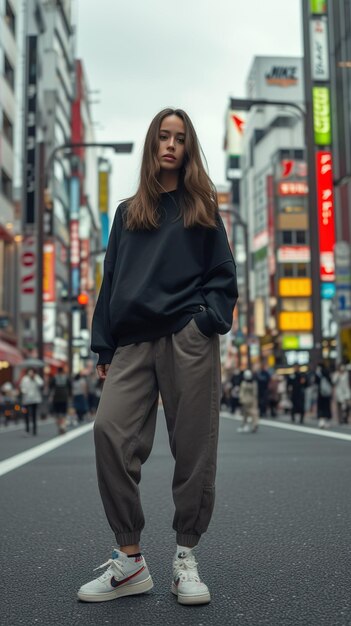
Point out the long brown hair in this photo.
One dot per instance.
(197, 197)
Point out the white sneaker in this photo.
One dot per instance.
(186, 580)
(125, 576)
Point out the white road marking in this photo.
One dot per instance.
(33, 453)
(300, 429)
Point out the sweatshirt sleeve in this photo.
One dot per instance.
(102, 341)
(219, 288)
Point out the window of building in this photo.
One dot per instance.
(288, 270)
(301, 270)
(6, 185)
(7, 128)
(10, 18)
(295, 304)
(9, 73)
(301, 237)
(287, 236)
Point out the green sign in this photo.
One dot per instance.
(321, 116)
(318, 6)
(290, 342)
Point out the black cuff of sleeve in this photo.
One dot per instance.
(204, 323)
(105, 357)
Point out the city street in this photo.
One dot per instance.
(277, 552)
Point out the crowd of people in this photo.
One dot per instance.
(319, 393)
(70, 400)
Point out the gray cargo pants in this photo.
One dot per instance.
(185, 368)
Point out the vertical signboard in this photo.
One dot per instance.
(75, 255)
(104, 173)
(319, 49)
(325, 215)
(318, 6)
(30, 133)
(321, 116)
(49, 291)
(28, 273)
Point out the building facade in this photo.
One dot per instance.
(9, 232)
(273, 202)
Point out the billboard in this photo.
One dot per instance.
(319, 49)
(292, 188)
(276, 78)
(321, 116)
(28, 274)
(235, 132)
(326, 225)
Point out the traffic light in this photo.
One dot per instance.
(83, 299)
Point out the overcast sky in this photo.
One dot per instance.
(145, 55)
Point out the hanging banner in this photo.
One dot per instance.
(321, 116)
(326, 223)
(319, 49)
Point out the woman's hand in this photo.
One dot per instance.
(102, 370)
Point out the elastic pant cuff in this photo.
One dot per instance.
(189, 541)
(128, 539)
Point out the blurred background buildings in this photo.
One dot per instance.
(286, 205)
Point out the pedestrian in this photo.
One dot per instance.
(273, 395)
(61, 389)
(169, 288)
(235, 389)
(31, 390)
(324, 398)
(297, 384)
(248, 395)
(262, 378)
(342, 393)
(80, 396)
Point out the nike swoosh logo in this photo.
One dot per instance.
(117, 583)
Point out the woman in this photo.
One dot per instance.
(342, 393)
(31, 390)
(248, 396)
(169, 288)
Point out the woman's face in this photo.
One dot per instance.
(171, 148)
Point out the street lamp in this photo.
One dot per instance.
(118, 148)
(245, 104)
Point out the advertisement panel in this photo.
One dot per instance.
(49, 291)
(326, 224)
(294, 254)
(321, 116)
(319, 49)
(296, 321)
(276, 78)
(295, 287)
(318, 6)
(103, 191)
(292, 188)
(30, 132)
(234, 132)
(49, 322)
(28, 272)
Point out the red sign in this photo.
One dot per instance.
(28, 265)
(74, 241)
(292, 188)
(84, 264)
(290, 167)
(326, 224)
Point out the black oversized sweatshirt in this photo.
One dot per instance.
(155, 281)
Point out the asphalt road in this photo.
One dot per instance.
(277, 552)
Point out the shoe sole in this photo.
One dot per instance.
(204, 598)
(129, 590)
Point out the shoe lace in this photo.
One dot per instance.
(186, 568)
(115, 568)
